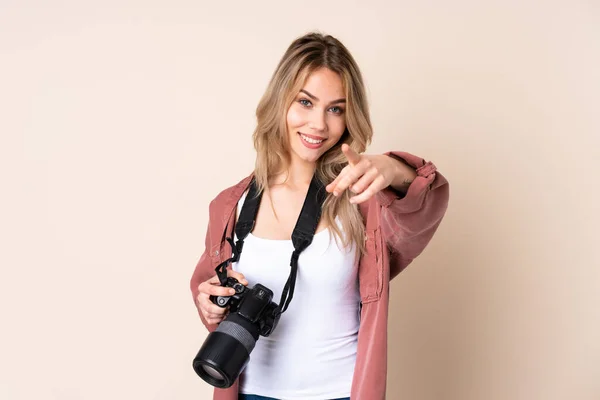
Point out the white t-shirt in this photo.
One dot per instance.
(311, 353)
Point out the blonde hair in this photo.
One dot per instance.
(305, 55)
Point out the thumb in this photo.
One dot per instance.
(352, 156)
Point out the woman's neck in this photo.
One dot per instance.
(299, 174)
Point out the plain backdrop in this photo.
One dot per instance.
(121, 120)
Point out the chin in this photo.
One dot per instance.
(313, 157)
(310, 158)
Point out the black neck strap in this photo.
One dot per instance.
(302, 236)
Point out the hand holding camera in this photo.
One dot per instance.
(212, 313)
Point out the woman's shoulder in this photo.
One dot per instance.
(230, 195)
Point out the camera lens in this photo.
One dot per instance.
(212, 372)
(226, 351)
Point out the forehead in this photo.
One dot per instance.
(325, 84)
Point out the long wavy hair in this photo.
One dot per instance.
(271, 141)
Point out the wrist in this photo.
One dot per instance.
(404, 174)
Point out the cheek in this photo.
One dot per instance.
(338, 126)
(294, 117)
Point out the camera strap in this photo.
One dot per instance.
(302, 236)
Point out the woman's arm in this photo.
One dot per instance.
(411, 212)
(404, 176)
(202, 272)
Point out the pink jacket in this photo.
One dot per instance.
(397, 231)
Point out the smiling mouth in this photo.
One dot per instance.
(311, 139)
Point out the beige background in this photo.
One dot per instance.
(119, 120)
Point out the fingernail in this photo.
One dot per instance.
(231, 291)
(245, 282)
(335, 193)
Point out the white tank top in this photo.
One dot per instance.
(311, 353)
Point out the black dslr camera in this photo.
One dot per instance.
(254, 304)
(226, 351)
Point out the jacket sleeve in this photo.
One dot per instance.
(408, 221)
(203, 272)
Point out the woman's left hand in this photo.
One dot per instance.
(364, 175)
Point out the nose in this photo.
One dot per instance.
(317, 121)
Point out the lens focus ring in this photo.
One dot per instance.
(239, 333)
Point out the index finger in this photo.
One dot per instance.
(214, 290)
(237, 275)
(352, 156)
(234, 274)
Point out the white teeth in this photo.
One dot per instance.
(310, 140)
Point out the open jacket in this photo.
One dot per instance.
(398, 227)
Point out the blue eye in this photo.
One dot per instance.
(337, 110)
(305, 103)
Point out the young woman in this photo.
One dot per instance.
(381, 210)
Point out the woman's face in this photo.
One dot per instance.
(316, 119)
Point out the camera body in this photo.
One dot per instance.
(253, 304)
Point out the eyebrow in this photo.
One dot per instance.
(312, 96)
